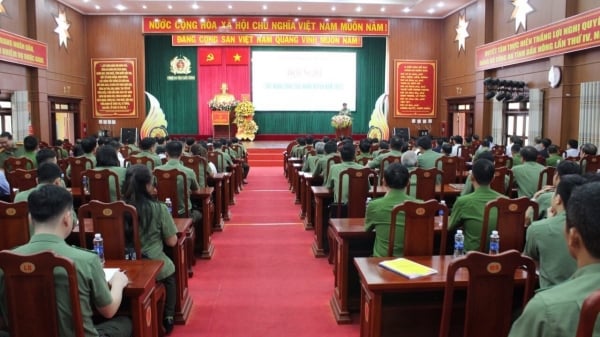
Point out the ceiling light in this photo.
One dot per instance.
(264, 19)
(233, 19)
(144, 6)
(86, 1)
(333, 8)
(120, 7)
(97, 7)
(406, 10)
(265, 7)
(440, 4)
(359, 9)
(229, 6)
(202, 20)
(382, 9)
(180, 20)
(296, 20)
(349, 20)
(195, 6)
(431, 10)
(326, 19)
(170, 7)
(299, 8)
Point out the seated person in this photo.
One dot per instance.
(298, 150)
(396, 151)
(364, 146)
(88, 145)
(226, 161)
(7, 147)
(553, 156)
(320, 169)
(311, 161)
(174, 151)
(50, 211)
(515, 150)
(545, 144)
(446, 149)
(63, 152)
(46, 155)
(409, 160)
(588, 149)
(243, 154)
(468, 187)
(555, 311)
(106, 158)
(457, 142)
(333, 177)
(379, 211)
(211, 169)
(545, 240)
(156, 229)
(572, 149)
(382, 147)
(468, 209)
(426, 160)
(527, 174)
(544, 196)
(485, 146)
(30, 148)
(148, 150)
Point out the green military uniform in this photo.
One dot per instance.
(294, 150)
(112, 185)
(363, 155)
(62, 153)
(89, 156)
(553, 160)
(311, 162)
(23, 195)
(378, 218)
(544, 202)
(191, 180)
(147, 154)
(468, 187)
(321, 166)
(376, 162)
(468, 211)
(225, 163)
(427, 161)
(516, 160)
(5, 154)
(555, 312)
(153, 234)
(526, 177)
(31, 156)
(298, 151)
(133, 148)
(93, 288)
(546, 243)
(333, 179)
(479, 151)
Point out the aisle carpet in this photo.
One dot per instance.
(263, 280)
(265, 157)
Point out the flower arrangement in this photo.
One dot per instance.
(246, 126)
(243, 109)
(341, 121)
(215, 105)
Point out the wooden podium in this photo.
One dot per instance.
(343, 132)
(221, 123)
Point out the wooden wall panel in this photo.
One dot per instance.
(411, 39)
(117, 37)
(14, 77)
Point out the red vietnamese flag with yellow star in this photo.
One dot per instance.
(237, 55)
(210, 56)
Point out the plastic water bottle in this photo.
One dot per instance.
(441, 211)
(85, 184)
(494, 243)
(169, 205)
(368, 201)
(99, 247)
(459, 243)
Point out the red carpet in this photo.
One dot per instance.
(263, 280)
(265, 157)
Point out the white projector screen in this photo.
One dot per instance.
(303, 81)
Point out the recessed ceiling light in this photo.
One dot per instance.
(202, 20)
(233, 19)
(440, 4)
(359, 9)
(326, 19)
(349, 20)
(120, 7)
(295, 19)
(180, 20)
(156, 20)
(265, 7)
(229, 6)
(195, 6)
(333, 8)
(97, 7)
(86, 1)
(431, 10)
(382, 9)
(406, 10)
(264, 19)
(170, 7)
(299, 8)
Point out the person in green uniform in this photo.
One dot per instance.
(409, 160)
(382, 147)
(148, 150)
(30, 148)
(88, 145)
(364, 146)
(106, 158)
(515, 149)
(50, 210)
(485, 146)
(333, 178)
(63, 152)
(320, 169)
(468, 209)
(555, 311)
(174, 151)
(227, 162)
(527, 174)
(156, 229)
(311, 161)
(426, 160)
(7, 147)
(553, 157)
(198, 150)
(545, 240)
(396, 144)
(544, 196)
(379, 211)
(241, 153)
(130, 142)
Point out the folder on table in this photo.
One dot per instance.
(407, 268)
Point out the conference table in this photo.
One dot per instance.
(139, 294)
(393, 305)
(350, 240)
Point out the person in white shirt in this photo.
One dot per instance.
(572, 149)
(457, 142)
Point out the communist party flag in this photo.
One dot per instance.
(239, 55)
(210, 56)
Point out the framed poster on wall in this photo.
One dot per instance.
(415, 88)
(114, 87)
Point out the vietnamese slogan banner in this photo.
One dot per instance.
(578, 32)
(113, 92)
(257, 25)
(266, 40)
(21, 50)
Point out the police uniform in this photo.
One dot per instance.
(225, 163)
(89, 156)
(147, 154)
(5, 154)
(553, 160)
(311, 162)
(321, 166)
(378, 216)
(333, 178)
(191, 180)
(93, 288)
(468, 211)
(112, 185)
(427, 161)
(555, 311)
(376, 162)
(527, 176)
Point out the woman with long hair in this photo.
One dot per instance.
(156, 229)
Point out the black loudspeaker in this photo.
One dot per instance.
(403, 133)
(129, 135)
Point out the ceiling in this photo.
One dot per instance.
(436, 9)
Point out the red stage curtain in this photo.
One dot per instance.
(210, 77)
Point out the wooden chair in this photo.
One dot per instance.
(575, 159)
(426, 183)
(194, 163)
(59, 152)
(541, 160)
(63, 164)
(14, 224)
(503, 161)
(333, 160)
(110, 219)
(140, 160)
(78, 165)
(286, 154)
(589, 313)
(363, 161)
(29, 288)
(217, 159)
(358, 190)
(166, 187)
(14, 163)
(385, 162)
(99, 182)
(452, 169)
(511, 222)
(546, 177)
(419, 219)
(498, 183)
(490, 292)
(499, 150)
(591, 163)
(22, 179)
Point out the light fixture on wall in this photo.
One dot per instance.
(506, 90)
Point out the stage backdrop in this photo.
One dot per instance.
(185, 100)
